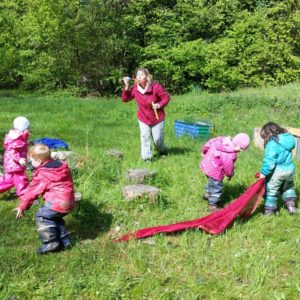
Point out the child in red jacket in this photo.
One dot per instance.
(53, 180)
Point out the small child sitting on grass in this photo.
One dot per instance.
(219, 155)
(53, 180)
(278, 168)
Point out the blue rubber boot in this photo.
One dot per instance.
(49, 248)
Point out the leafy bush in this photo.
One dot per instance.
(216, 45)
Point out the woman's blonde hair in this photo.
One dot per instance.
(146, 72)
(40, 151)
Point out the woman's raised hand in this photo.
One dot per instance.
(126, 80)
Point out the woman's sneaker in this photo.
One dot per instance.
(291, 206)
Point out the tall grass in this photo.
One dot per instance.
(257, 258)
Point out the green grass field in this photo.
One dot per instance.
(254, 259)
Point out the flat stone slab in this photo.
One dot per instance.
(136, 191)
(139, 175)
(115, 153)
(72, 158)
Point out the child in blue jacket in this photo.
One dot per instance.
(278, 168)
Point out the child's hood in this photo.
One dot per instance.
(54, 170)
(14, 134)
(15, 139)
(287, 141)
(225, 144)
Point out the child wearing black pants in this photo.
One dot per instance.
(53, 180)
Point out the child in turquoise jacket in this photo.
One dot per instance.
(278, 168)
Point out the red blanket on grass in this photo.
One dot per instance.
(214, 223)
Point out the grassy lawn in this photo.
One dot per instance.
(255, 259)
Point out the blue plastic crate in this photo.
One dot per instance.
(195, 129)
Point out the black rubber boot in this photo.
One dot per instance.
(50, 247)
(49, 236)
(66, 242)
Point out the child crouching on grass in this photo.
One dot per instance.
(219, 155)
(53, 180)
(278, 168)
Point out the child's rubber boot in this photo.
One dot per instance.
(66, 243)
(49, 247)
(213, 207)
(291, 206)
(269, 211)
(206, 196)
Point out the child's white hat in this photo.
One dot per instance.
(21, 123)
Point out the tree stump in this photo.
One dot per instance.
(139, 175)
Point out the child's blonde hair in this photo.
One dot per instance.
(40, 151)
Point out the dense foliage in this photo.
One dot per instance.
(205, 44)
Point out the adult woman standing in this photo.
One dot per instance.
(151, 99)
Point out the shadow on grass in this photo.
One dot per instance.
(171, 151)
(178, 150)
(9, 196)
(162, 202)
(231, 192)
(89, 221)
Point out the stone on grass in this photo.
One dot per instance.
(139, 175)
(72, 158)
(136, 191)
(149, 241)
(61, 155)
(115, 153)
(78, 196)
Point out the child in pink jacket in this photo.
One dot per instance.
(15, 155)
(219, 155)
